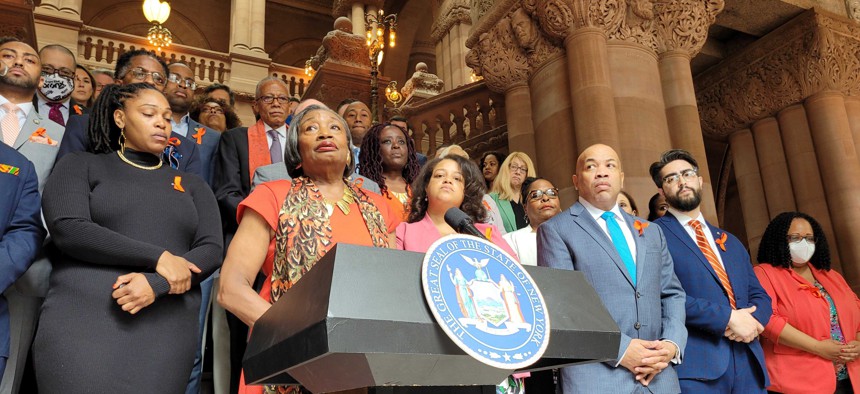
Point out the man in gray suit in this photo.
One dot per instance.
(37, 138)
(631, 269)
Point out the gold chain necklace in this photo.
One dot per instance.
(135, 165)
(343, 204)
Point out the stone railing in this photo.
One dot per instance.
(471, 116)
(100, 48)
(294, 77)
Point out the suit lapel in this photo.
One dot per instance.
(678, 231)
(30, 125)
(584, 220)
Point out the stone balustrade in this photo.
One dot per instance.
(471, 116)
(101, 48)
(294, 77)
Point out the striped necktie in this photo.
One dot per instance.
(9, 123)
(702, 242)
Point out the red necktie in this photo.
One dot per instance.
(55, 114)
(702, 242)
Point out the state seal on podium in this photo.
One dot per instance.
(485, 301)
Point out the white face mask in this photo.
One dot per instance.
(57, 87)
(801, 251)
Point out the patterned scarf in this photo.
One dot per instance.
(304, 232)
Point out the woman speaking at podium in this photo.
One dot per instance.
(286, 226)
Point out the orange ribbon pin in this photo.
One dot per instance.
(640, 226)
(722, 241)
(489, 233)
(173, 141)
(78, 109)
(41, 133)
(177, 184)
(201, 131)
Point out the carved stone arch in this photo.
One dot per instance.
(295, 52)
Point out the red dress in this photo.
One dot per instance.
(267, 200)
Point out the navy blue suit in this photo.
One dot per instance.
(709, 352)
(76, 140)
(21, 231)
(206, 148)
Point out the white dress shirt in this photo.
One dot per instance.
(282, 136)
(596, 212)
(23, 112)
(180, 128)
(685, 223)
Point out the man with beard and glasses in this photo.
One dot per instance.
(54, 97)
(135, 66)
(726, 306)
(37, 138)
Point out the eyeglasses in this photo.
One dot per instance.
(792, 238)
(177, 79)
(63, 72)
(139, 74)
(688, 176)
(271, 99)
(538, 194)
(213, 109)
(515, 168)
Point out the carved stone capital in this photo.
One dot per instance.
(527, 34)
(457, 12)
(343, 7)
(814, 52)
(422, 83)
(342, 48)
(682, 25)
(499, 59)
(853, 9)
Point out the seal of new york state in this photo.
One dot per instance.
(485, 301)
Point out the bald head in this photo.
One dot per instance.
(307, 103)
(599, 177)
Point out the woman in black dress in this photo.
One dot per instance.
(134, 238)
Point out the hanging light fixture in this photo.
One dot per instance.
(156, 13)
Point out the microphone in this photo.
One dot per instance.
(461, 222)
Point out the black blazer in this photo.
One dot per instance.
(231, 180)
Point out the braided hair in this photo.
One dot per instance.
(773, 248)
(102, 130)
(370, 159)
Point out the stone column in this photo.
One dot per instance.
(594, 114)
(804, 174)
(750, 188)
(249, 61)
(58, 22)
(681, 30)
(518, 111)
(852, 106)
(450, 32)
(357, 17)
(773, 167)
(555, 143)
(837, 159)
(640, 112)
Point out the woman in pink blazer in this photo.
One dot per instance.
(810, 343)
(445, 183)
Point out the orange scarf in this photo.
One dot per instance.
(258, 148)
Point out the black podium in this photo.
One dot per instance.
(359, 319)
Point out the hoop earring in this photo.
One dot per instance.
(122, 141)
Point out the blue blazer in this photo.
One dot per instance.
(708, 308)
(76, 140)
(651, 310)
(21, 231)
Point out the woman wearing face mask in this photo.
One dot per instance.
(816, 315)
